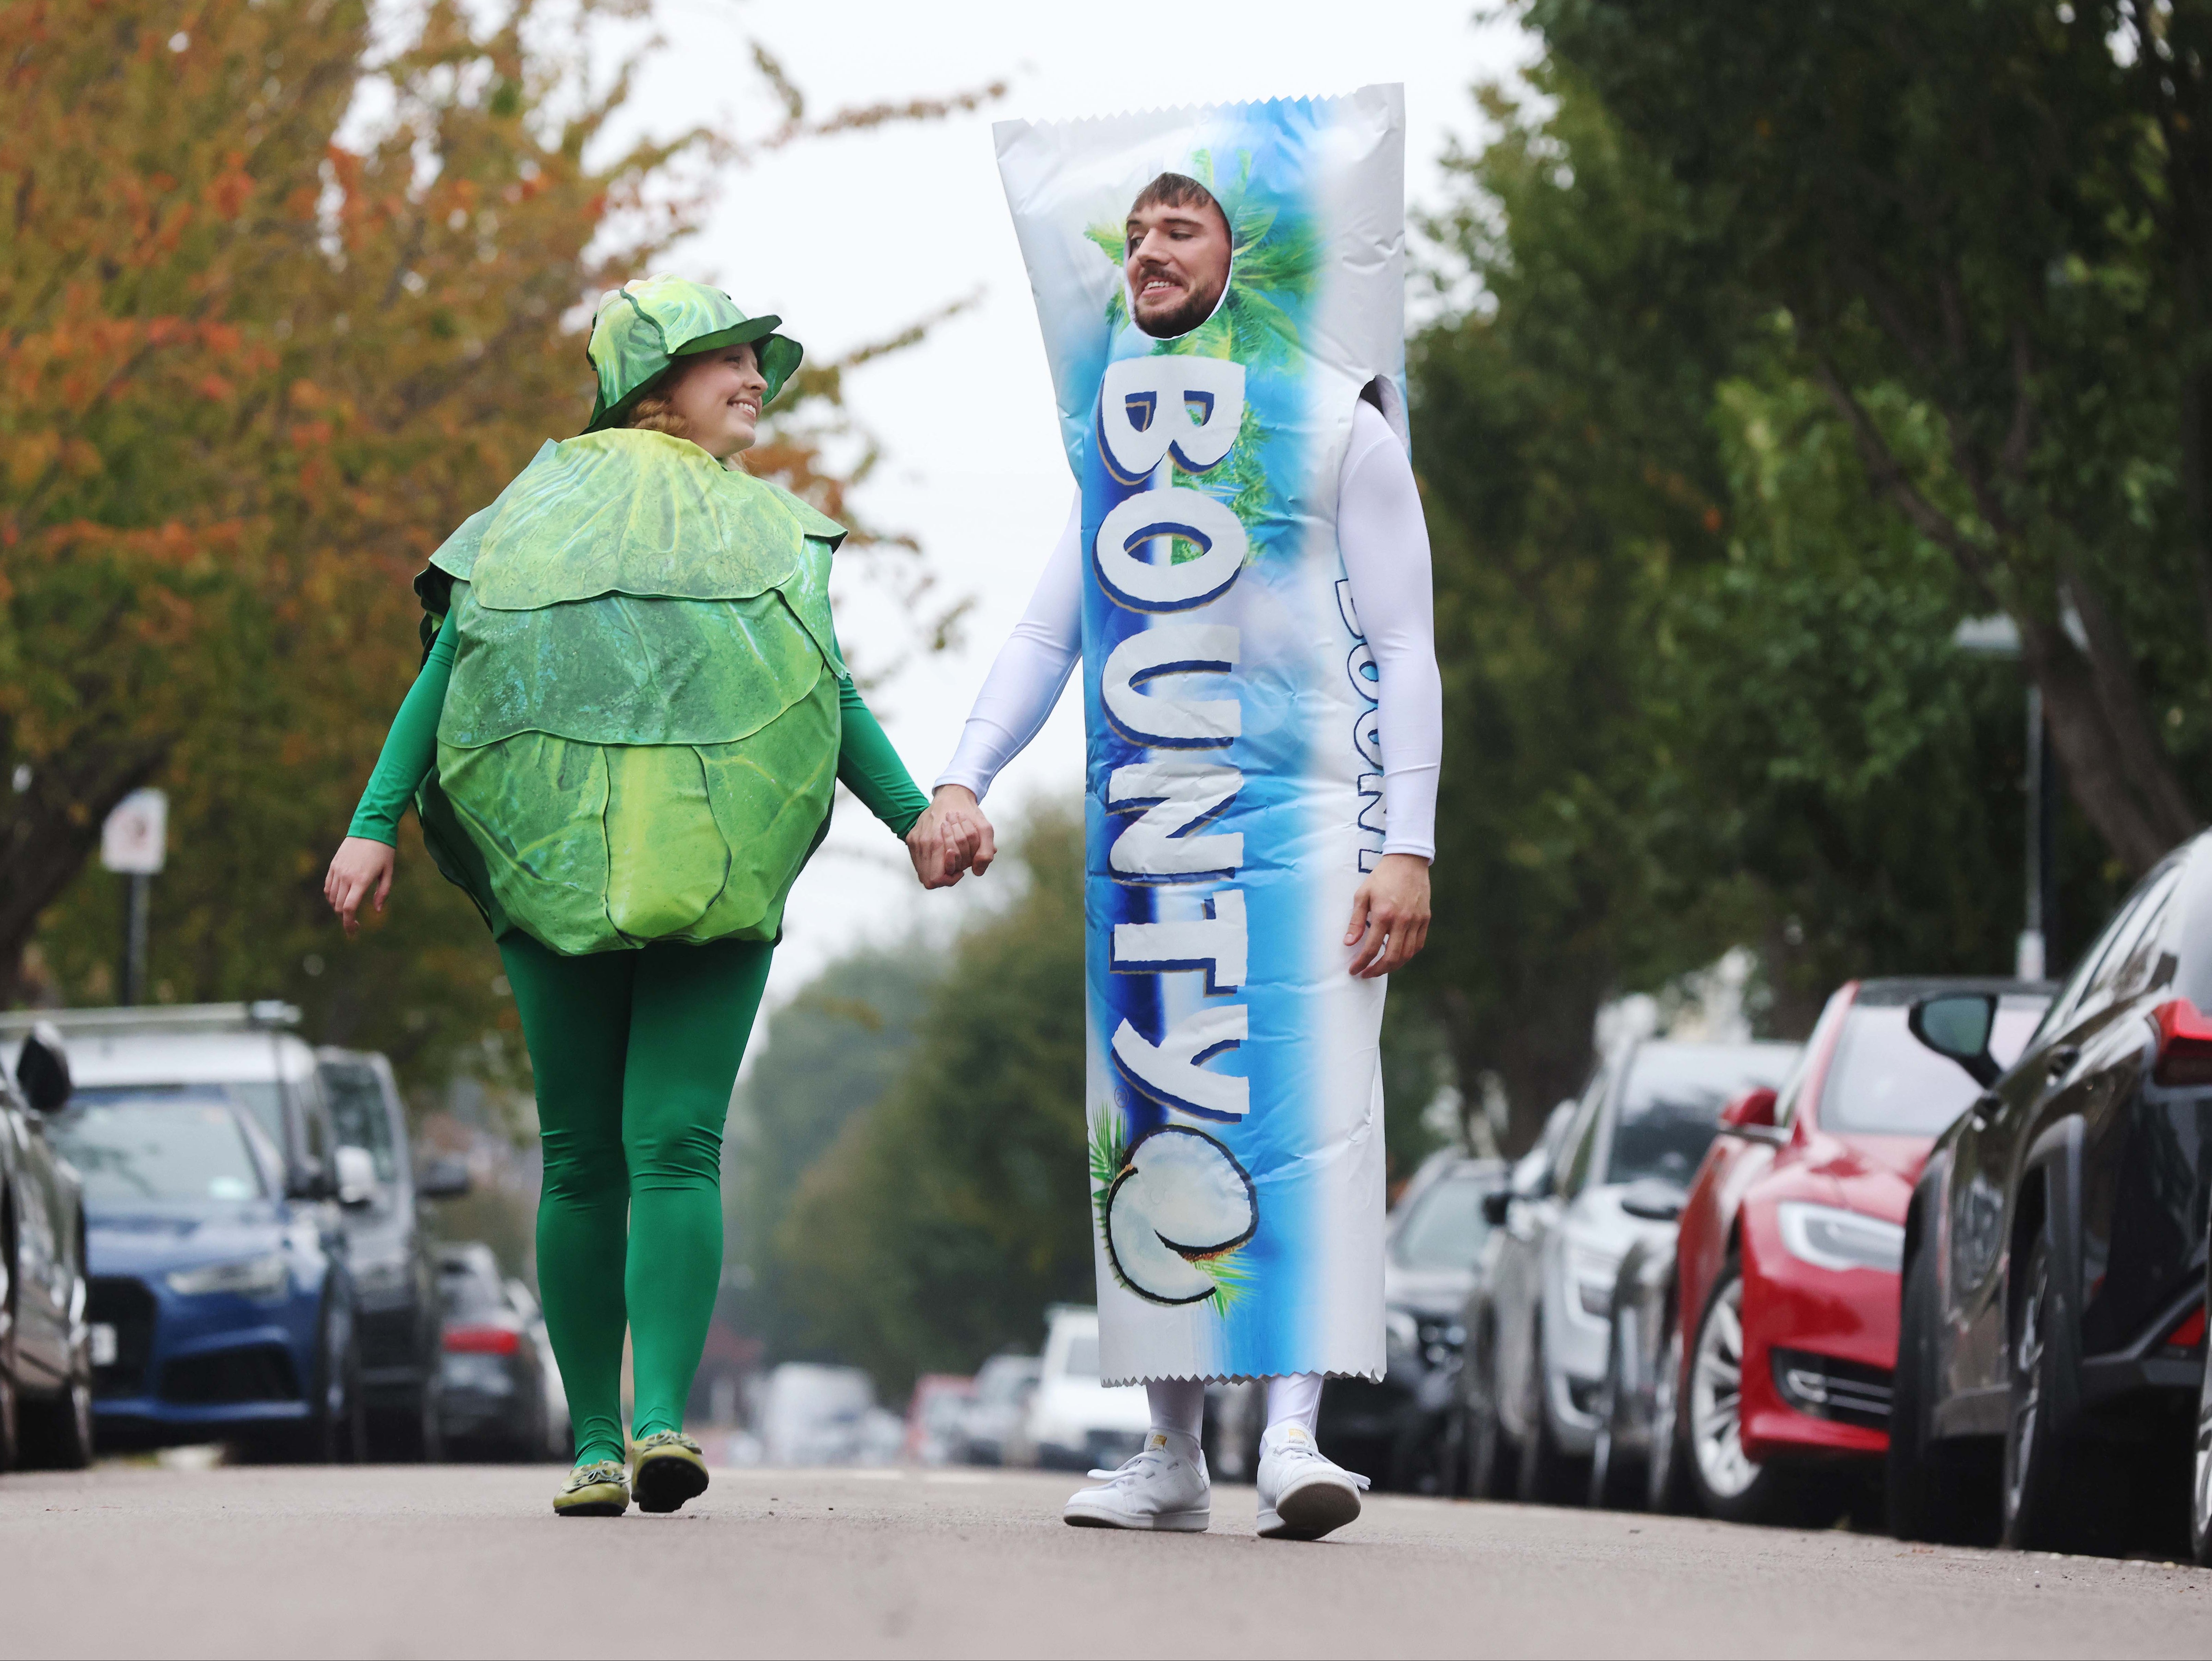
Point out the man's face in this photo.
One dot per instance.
(1177, 265)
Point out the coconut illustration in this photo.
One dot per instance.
(1182, 1198)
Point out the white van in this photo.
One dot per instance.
(1075, 1422)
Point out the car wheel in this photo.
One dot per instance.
(54, 1432)
(2054, 1495)
(335, 1430)
(1612, 1484)
(1485, 1457)
(1665, 1488)
(1934, 1487)
(2200, 1477)
(1730, 1483)
(11, 1448)
(1547, 1475)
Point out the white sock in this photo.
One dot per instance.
(1178, 1413)
(1293, 1399)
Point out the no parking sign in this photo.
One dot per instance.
(137, 834)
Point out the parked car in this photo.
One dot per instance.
(492, 1398)
(1076, 1422)
(1475, 1457)
(933, 1416)
(994, 1430)
(1393, 1428)
(1769, 1400)
(826, 1415)
(218, 1309)
(2054, 1262)
(1540, 1320)
(340, 1133)
(395, 1281)
(45, 1348)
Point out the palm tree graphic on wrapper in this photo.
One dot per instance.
(1175, 1210)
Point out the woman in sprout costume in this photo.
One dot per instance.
(623, 744)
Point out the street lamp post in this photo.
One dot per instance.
(1997, 637)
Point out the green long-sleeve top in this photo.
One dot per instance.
(866, 764)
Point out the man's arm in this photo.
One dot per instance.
(1385, 543)
(1017, 695)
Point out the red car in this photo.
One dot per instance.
(1787, 1263)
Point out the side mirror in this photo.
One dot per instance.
(311, 1180)
(1753, 1107)
(445, 1179)
(1495, 1205)
(1751, 1116)
(42, 1069)
(1957, 1025)
(356, 1175)
(1654, 1199)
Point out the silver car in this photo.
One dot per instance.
(1539, 1321)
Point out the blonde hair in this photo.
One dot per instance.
(655, 411)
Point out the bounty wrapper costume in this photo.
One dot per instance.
(1234, 1092)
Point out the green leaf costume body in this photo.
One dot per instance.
(624, 745)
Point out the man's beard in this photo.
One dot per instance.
(1195, 310)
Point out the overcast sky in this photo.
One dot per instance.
(851, 238)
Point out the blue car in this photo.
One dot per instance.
(220, 1310)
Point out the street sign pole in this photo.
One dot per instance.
(133, 841)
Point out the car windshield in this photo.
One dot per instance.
(132, 1145)
(1445, 1229)
(1884, 1082)
(1671, 1103)
(1083, 1356)
(358, 1116)
(999, 1384)
(470, 1294)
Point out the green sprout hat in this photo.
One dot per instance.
(645, 326)
(639, 741)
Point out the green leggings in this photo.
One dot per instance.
(636, 1054)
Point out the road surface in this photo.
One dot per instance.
(467, 1561)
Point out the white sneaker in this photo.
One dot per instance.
(1302, 1494)
(1157, 1489)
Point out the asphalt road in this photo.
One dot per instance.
(133, 1560)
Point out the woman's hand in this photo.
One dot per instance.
(951, 839)
(361, 864)
(1389, 916)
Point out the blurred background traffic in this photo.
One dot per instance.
(1801, 1112)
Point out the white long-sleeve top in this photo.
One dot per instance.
(1385, 545)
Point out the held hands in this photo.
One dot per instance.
(1389, 916)
(360, 865)
(951, 839)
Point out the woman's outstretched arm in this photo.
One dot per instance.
(363, 863)
(870, 768)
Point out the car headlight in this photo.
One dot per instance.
(1591, 1274)
(246, 1277)
(1828, 1237)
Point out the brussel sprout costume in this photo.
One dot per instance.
(622, 744)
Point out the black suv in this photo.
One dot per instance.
(2052, 1329)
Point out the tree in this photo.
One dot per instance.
(2002, 210)
(260, 350)
(939, 1225)
(1700, 684)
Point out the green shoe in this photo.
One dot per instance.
(666, 1469)
(598, 1489)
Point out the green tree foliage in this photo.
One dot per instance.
(2002, 212)
(1700, 684)
(280, 304)
(828, 1057)
(938, 1226)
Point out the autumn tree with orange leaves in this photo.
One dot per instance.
(280, 304)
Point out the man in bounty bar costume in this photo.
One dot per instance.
(1245, 577)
